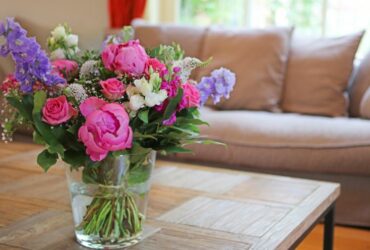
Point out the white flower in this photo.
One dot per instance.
(89, 68)
(57, 54)
(72, 40)
(136, 102)
(77, 91)
(132, 90)
(143, 86)
(153, 99)
(59, 32)
(187, 65)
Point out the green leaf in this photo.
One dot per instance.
(58, 148)
(139, 174)
(20, 106)
(188, 131)
(171, 107)
(46, 159)
(184, 120)
(118, 153)
(138, 135)
(39, 100)
(37, 138)
(73, 129)
(176, 149)
(74, 158)
(143, 115)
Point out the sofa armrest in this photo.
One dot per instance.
(365, 105)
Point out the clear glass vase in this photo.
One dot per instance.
(109, 200)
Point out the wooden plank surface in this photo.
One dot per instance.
(207, 208)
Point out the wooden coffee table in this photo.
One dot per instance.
(190, 207)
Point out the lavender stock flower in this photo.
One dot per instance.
(31, 62)
(218, 85)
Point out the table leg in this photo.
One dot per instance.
(329, 229)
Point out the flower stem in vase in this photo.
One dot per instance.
(112, 218)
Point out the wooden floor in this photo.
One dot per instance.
(346, 238)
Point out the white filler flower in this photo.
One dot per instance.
(57, 54)
(72, 40)
(59, 32)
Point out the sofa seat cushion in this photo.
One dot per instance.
(287, 141)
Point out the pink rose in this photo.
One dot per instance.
(112, 88)
(108, 55)
(156, 65)
(57, 110)
(65, 68)
(131, 58)
(106, 128)
(191, 96)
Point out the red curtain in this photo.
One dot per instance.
(122, 12)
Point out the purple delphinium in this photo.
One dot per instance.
(31, 63)
(218, 85)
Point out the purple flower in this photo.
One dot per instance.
(31, 63)
(218, 85)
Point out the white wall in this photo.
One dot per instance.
(87, 18)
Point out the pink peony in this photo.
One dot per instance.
(156, 65)
(129, 58)
(57, 110)
(106, 128)
(190, 98)
(108, 55)
(112, 88)
(65, 68)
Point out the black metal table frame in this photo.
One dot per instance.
(328, 236)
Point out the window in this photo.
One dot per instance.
(311, 18)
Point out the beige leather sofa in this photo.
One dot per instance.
(325, 148)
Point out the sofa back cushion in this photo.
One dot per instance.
(190, 38)
(359, 86)
(318, 74)
(257, 57)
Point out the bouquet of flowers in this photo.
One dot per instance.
(90, 108)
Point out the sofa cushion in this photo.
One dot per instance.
(318, 74)
(258, 58)
(359, 86)
(287, 142)
(190, 38)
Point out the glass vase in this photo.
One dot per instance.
(109, 200)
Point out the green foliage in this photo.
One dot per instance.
(88, 55)
(24, 105)
(171, 107)
(46, 159)
(127, 33)
(144, 115)
(167, 53)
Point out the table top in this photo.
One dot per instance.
(190, 206)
